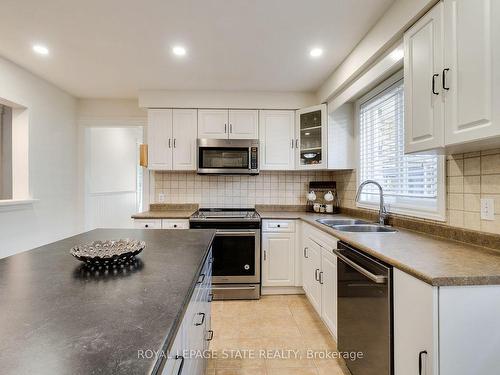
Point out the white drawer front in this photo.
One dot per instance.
(278, 226)
(175, 224)
(147, 224)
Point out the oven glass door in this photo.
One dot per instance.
(236, 256)
(223, 157)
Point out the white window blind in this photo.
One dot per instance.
(409, 181)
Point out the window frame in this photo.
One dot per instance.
(408, 209)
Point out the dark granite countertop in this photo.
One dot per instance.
(58, 319)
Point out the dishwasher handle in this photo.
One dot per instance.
(378, 279)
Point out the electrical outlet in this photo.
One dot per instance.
(487, 209)
(161, 198)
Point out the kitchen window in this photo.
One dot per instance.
(413, 184)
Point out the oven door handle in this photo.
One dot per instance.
(233, 288)
(379, 279)
(236, 233)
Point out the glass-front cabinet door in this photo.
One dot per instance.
(311, 137)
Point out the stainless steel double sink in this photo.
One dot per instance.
(355, 225)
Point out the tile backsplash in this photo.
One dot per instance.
(269, 187)
(470, 177)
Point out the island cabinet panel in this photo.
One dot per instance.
(194, 334)
(469, 334)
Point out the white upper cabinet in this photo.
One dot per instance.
(233, 123)
(452, 80)
(172, 139)
(472, 81)
(243, 124)
(311, 137)
(184, 132)
(160, 139)
(213, 123)
(423, 61)
(277, 140)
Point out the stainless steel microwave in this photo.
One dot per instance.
(228, 156)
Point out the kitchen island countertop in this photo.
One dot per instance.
(59, 318)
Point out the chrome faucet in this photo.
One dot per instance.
(382, 214)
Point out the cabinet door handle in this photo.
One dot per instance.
(230, 128)
(321, 278)
(179, 371)
(202, 319)
(225, 128)
(434, 84)
(169, 141)
(175, 139)
(420, 355)
(146, 226)
(305, 252)
(297, 143)
(316, 274)
(265, 254)
(201, 278)
(210, 297)
(444, 78)
(292, 142)
(210, 335)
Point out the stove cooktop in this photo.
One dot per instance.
(226, 213)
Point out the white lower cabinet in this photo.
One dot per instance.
(278, 259)
(147, 223)
(161, 223)
(415, 324)
(319, 274)
(194, 332)
(328, 280)
(175, 224)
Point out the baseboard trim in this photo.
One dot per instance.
(270, 290)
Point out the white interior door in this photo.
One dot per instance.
(112, 176)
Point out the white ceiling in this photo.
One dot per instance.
(113, 48)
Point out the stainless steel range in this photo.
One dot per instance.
(236, 250)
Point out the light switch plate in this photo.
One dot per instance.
(487, 209)
(161, 198)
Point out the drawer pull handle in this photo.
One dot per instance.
(179, 371)
(321, 278)
(202, 319)
(201, 278)
(305, 252)
(210, 297)
(434, 84)
(444, 79)
(420, 355)
(316, 274)
(210, 335)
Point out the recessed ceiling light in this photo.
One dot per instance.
(316, 52)
(179, 51)
(40, 49)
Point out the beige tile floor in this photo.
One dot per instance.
(277, 325)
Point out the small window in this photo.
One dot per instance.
(5, 152)
(413, 184)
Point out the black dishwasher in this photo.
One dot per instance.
(364, 311)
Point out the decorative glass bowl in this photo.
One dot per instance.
(108, 252)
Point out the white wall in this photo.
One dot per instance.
(225, 99)
(52, 163)
(385, 33)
